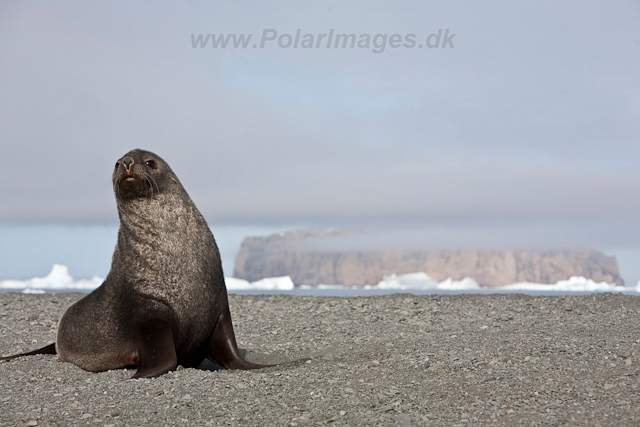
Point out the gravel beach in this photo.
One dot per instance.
(385, 360)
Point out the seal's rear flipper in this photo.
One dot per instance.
(223, 349)
(49, 349)
(156, 350)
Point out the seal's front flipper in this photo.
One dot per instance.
(223, 349)
(49, 349)
(156, 350)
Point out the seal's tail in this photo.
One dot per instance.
(49, 349)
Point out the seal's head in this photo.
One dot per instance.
(141, 173)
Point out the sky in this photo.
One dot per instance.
(524, 128)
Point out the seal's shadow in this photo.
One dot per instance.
(208, 365)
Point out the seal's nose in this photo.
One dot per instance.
(127, 162)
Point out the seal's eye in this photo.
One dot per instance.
(117, 164)
(151, 164)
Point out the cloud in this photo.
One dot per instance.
(533, 114)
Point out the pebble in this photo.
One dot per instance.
(402, 419)
(378, 365)
(623, 353)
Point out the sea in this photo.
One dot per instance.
(52, 258)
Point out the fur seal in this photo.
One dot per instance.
(164, 302)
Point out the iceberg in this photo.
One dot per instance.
(573, 284)
(268, 284)
(422, 281)
(58, 278)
